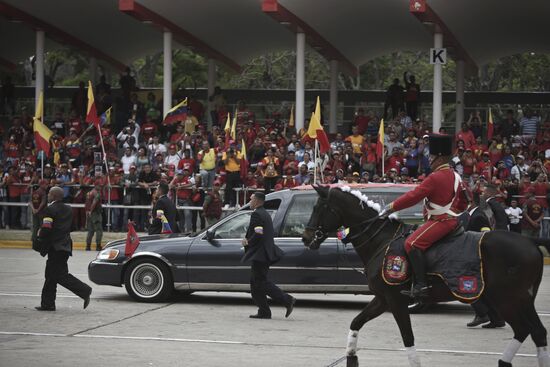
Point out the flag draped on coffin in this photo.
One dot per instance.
(132, 240)
(177, 113)
(244, 161)
(42, 133)
(166, 229)
(490, 125)
(316, 131)
(380, 141)
(91, 114)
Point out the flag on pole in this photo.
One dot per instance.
(316, 131)
(132, 240)
(244, 161)
(177, 113)
(91, 112)
(490, 125)
(42, 133)
(291, 118)
(380, 142)
(234, 127)
(227, 130)
(105, 118)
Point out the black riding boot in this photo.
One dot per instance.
(420, 288)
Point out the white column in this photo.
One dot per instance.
(211, 85)
(333, 102)
(39, 65)
(459, 94)
(438, 86)
(93, 70)
(167, 73)
(300, 79)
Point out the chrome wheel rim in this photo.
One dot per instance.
(146, 280)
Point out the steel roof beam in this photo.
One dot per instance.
(14, 14)
(427, 16)
(285, 17)
(145, 15)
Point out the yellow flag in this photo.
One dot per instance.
(291, 118)
(227, 123)
(243, 149)
(234, 127)
(315, 122)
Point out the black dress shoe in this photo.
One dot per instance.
(42, 308)
(478, 320)
(290, 306)
(87, 300)
(494, 324)
(258, 316)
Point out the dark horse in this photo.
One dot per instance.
(512, 269)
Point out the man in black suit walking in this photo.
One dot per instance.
(54, 239)
(261, 251)
(168, 208)
(489, 215)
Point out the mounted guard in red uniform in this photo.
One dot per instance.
(445, 198)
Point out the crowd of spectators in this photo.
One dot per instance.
(197, 161)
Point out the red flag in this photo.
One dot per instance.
(91, 115)
(132, 240)
(244, 161)
(324, 145)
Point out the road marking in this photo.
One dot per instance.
(209, 341)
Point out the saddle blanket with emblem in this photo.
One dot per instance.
(456, 260)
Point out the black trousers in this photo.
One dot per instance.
(515, 227)
(232, 180)
(57, 272)
(261, 287)
(412, 110)
(482, 308)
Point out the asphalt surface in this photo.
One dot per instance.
(213, 329)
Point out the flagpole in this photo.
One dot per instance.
(316, 153)
(383, 159)
(104, 156)
(42, 165)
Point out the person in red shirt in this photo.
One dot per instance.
(178, 135)
(395, 161)
(466, 135)
(184, 190)
(12, 151)
(115, 197)
(478, 148)
(187, 162)
(288, 181)
(361, 121)
(468, 162)
(149, 129)
(445, 201)
(290, 163)
(75, 123)
(12, 181)
(485, 167)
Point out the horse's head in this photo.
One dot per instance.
(324, 219)
(334, 209)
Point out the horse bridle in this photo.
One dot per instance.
(320, 233)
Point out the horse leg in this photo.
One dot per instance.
(538, 334)
(374, 309)
(399, 308)
(520, 324)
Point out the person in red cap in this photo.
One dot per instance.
(446, 199)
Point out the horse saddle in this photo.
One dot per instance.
(456, 259)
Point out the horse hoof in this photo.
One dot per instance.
(352, 361)
(501, 363)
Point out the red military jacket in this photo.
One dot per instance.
(437, 188)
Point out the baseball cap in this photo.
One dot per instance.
(355, 174)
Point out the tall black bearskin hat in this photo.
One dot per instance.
(441, 145)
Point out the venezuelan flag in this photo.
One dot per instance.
(177, 113)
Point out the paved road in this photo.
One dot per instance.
(213, 329)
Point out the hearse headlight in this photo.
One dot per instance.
(108, 254)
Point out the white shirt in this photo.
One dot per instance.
(156, 148)
(127, 162)
(514, 214)
(519, 171)
(172, 159)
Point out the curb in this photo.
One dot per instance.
(28, 245)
